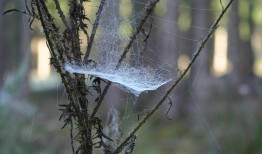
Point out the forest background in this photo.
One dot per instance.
(217, 107)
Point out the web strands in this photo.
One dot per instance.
(108, 47)
(130, 79)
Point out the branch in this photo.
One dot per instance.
(149, 8)
(101, 99)
(61, 14)
(17, 10)
(201, 46)
(52, 49)
(95, 26)
(73, 20)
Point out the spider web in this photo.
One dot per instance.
(133, 75)
(149, 64)
(145, 57)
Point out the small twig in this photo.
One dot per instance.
(170, 105)
(200, 48)
(82, 17)
(17, 10)
(71, 136)
(149, 8)
(148, 33)
(95, 26)
(100, 99)
(31, 14)
(27, 8)
(221, 4)
(31, 17)
(60, 12)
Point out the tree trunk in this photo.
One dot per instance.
(233, 46)
(200, 73)
(14, 47)
(25, 54)
(3, 39)
(240, 52)
(247, 54)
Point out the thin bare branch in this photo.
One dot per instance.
(52, 49)
(101, 99)
(95, 26)
(200, 48)
(17, 10)
(71, 136)
(61, 14)
(149, 8)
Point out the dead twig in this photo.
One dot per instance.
(95, 26)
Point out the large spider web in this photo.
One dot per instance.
(147, 66)
(132, 75)
(159, 60)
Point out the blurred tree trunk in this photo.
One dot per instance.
(14, 47)
(200, 73)
(3, 43)
(164, 42)
(167, 43)
(234, 47)
(25, 53)
(248, 57)
(240, 52)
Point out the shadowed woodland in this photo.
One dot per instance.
(215, 108)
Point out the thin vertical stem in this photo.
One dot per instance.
(95, 26)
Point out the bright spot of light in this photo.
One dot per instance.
(43, 60)
(220, 63)
(183, 61)
(256, 41)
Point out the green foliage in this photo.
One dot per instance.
(257, 11)
(161, 8)
(52, 8)
(184, 19)
(244, 14)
